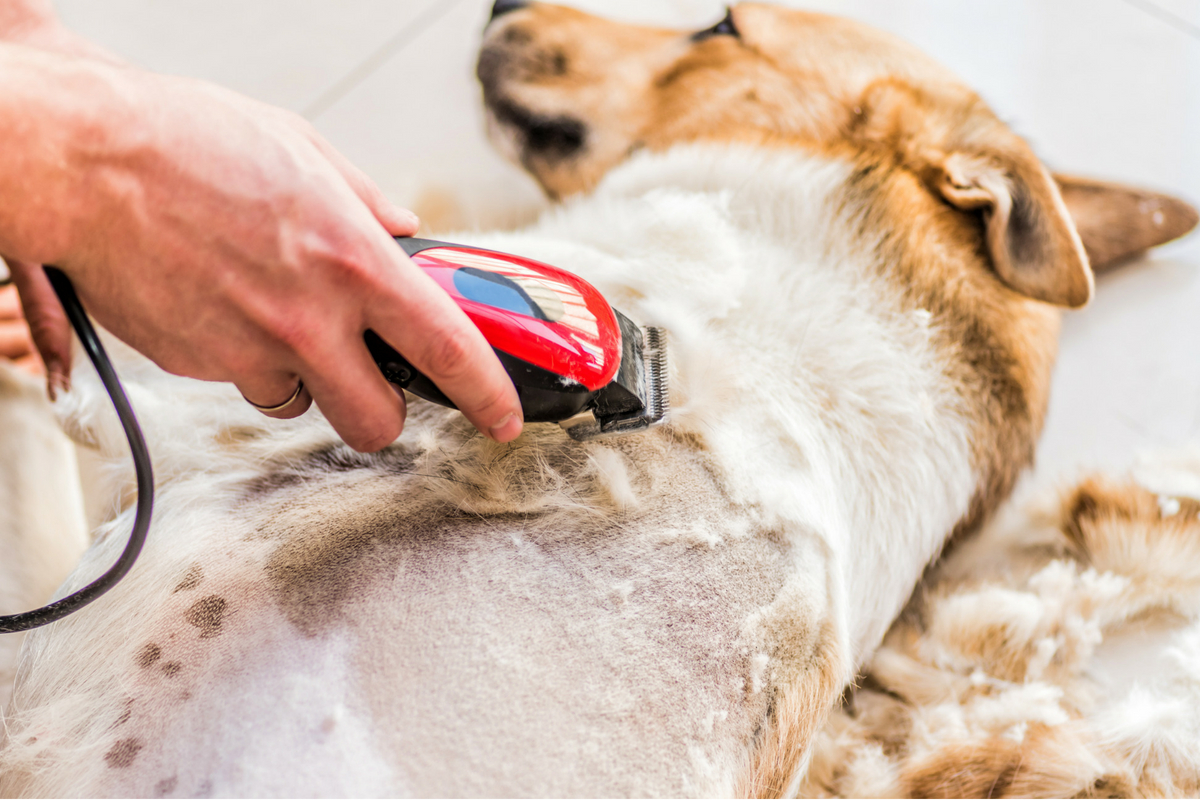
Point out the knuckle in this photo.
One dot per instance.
(452, 354)
(295, 334)
(367, 188)
(47, 322)
(291, 337)
(352, 263)
(496, 402)
(45, 329)
(291, 119)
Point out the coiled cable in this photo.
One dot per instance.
(141, 460)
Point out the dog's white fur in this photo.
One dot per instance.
(458, 617)
(41, 509)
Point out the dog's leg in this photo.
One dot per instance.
(809, 669)
(799, 712)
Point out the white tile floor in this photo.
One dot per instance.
(1109, 88)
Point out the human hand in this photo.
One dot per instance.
(227, 241)
(15, 342)
(34, 23)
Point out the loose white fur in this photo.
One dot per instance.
(457, 617)
(1034, 663)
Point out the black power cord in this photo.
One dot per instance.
(141, 460)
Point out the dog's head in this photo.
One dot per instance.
(570, 96)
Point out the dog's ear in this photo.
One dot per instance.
(1119, 222)
(1034, 246)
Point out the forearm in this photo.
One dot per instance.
(58, 118)
(21, 19)
(35, 23)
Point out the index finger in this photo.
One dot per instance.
(417, 318)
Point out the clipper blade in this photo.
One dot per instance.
(643, 375)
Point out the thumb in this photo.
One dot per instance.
(47, 322)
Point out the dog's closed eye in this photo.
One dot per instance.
(725, 27)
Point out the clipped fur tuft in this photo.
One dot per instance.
(1056, 656)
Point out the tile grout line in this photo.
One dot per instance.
(1168, 17)
(435, 11)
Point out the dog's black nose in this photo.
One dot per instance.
(505, 6)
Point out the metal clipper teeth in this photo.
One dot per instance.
(655, 357)
(637, 399)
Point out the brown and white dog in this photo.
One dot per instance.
(860, 269)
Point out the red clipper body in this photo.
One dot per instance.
(566, 349)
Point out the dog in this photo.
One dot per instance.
(860, 270)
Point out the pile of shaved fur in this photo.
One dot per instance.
(1056, 655)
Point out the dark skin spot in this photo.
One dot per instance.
(340, 458)
(172, 668)
(319, 565)
(125, 715)
(207, 614)
(273, 482)
(313, 573)
(336, 459)
(148, 655)
(191, 579)
(123, 753)
(166, 786)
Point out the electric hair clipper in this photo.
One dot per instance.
(572, 358)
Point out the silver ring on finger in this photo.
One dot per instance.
(275, 409)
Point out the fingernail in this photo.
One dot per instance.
(507, 429)
(408, 217)
(57, 380)
(398, 390)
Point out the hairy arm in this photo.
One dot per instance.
(35, 23)
(222, 238)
